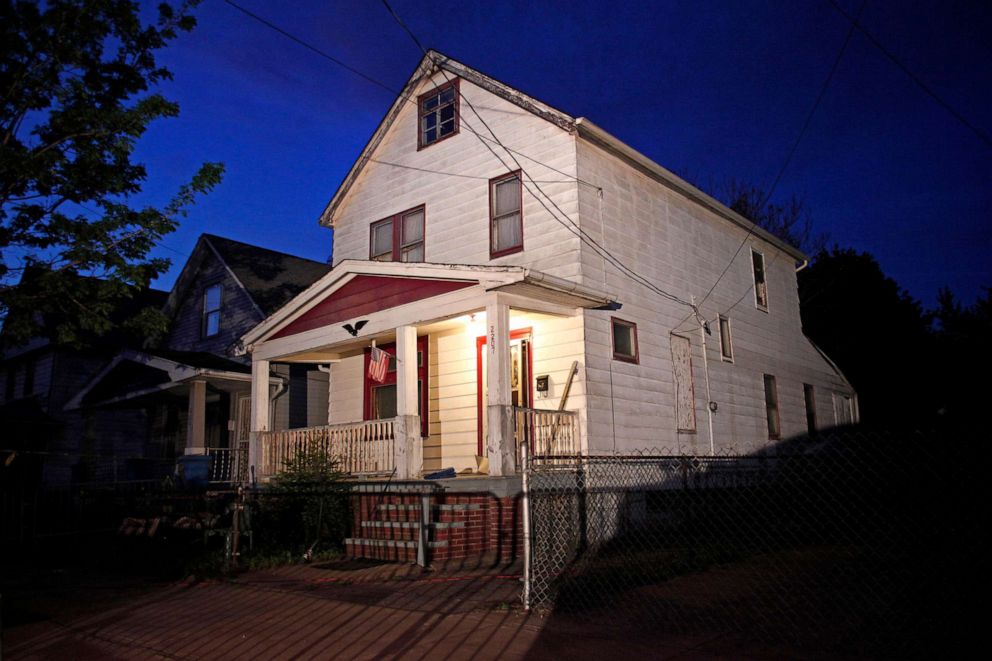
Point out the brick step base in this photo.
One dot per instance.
(386, 549)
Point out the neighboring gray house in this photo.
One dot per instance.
(489, 266)
(189, 393)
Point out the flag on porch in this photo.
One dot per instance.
(378, 365)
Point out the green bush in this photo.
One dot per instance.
(305, 508)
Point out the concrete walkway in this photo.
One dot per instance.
(346, 610)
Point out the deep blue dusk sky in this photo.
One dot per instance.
(711, 90)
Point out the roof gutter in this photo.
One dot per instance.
(568, 287)
(609, 143)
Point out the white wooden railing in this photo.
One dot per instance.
(548, 433)
(229, 465)
(359, 448)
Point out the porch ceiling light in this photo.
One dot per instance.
(357, 327)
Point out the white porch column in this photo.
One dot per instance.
(196, 421)
(406, 402)
(499, 404)
(259, 412)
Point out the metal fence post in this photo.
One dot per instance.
(525, 507)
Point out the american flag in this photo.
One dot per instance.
(378, 365)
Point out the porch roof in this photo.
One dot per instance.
(158, 374)
(519, 282)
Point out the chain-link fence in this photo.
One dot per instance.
(850, 542)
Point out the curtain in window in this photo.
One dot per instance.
(507, 228)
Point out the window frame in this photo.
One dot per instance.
(205, 313)
(369, 386)
(727, 357)
(809, 399)
(516, 174)
(634, 358)
(771, 406)
(421, 114)
(396, 221)
(763, 306)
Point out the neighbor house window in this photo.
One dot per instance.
(211, 310)
(624, 340)
(399, 238)
(438, 114)
(760, 287)
(380, 398)
(810, 397)
(506, 221)
(771, 407)
(726, 341)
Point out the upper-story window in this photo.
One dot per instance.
(399, 238)
(506, 220)
(438, 114)
(211, 311)
(760, 286)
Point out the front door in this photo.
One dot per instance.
(521, 378)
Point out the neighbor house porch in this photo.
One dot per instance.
(481, 359)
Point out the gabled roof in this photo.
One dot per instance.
(582, 127)
(509, 279)
(270, 278)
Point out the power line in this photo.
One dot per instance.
(572, 226)
(788, 159)
(984, 137)
(378, 83)
(452, 174)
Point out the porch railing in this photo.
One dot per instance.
(228, 465)
(549, 433)
(359, 448)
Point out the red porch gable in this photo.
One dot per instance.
(366, 294)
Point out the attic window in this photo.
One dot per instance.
(211, 311)
(438, 114)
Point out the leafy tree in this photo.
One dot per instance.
(75, 77)
(876, 333)
(790, 222)
(963, 363)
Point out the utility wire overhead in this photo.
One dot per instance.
(377, 83)
(571, 225)
(785, 164)
(854, 20)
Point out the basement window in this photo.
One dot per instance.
(438, 114)
(625, 341)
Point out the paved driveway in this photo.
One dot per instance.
(347, 610)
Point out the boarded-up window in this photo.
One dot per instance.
(685, 411)
(843, 409)
(726, 341)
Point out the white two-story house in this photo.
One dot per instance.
(537, 279)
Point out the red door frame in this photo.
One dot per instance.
(481, 342)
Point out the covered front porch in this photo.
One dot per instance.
(481, 360)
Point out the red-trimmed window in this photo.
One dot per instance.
(399, 238)
(625, 341)
(506, 217)
(380, 398)
(438, 112)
